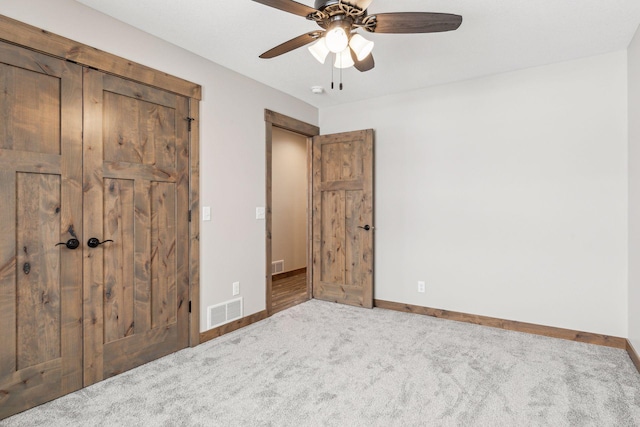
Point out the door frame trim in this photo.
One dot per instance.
(273, 119)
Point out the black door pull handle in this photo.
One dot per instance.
(70, 244)
(94, 242)
(365, 228)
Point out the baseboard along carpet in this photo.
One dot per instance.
(324, 364)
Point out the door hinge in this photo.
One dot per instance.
(189, 306)
(189, 120)
(189, 215)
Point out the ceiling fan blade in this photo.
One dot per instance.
(292, 44)
(362, 4)
(289, 6)
(416, 22)
(365, 65)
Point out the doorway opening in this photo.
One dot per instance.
(288, 211)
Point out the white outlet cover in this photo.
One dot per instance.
(421, 286)
(260, 213)
(206, 213)
(236, 288)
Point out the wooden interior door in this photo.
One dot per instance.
(136, 193)
(41, 195)
(343, 218)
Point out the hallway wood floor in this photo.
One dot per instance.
(288, 292)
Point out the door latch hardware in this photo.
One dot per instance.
(70, 244)
(26, 268)
(94, 242)
(365, 228)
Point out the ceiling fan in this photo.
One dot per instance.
(339, 20)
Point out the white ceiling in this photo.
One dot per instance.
(495, 36)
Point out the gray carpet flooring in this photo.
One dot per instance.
(323, 364)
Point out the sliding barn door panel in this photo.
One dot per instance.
(136, 188)
(41, 193)
(343, 218)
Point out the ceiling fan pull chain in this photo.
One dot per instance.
(334, 58)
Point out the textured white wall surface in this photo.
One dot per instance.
(634, 191)
(232, 139)
(506, 194)
(289, 199)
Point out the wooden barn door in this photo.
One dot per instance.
(41, 196)
(343, 218)
(136, 193)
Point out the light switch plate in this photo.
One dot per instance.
(260, 213)
(206, 213)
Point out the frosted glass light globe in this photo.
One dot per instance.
(336, 39)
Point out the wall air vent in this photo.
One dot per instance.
(277, 267)
(220, 314)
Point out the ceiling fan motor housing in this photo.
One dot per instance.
(323, 4)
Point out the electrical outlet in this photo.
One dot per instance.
(421, 286)
(236, 288)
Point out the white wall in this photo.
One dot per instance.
(289, 199)
(506, 194)
(634, 191)
(232, 140)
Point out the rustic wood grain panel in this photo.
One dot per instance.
(137, 171)
(93, 265)
(127, 353)
(333, 237)
(137, 91)
(142, 257)
(354, 237)
(348, 185)
(30, 60)
(33, 101)
(133, 140)
(194, 225)
(331, 166)
(8, 272)
(163, 254)
(29, 387)
(330, 291)
(39, 293)
(511, 325)
(351, 160)
(41, 40)
(150, 141)
(31, 162)
(118, 260)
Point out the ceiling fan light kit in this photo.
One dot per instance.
(361, 46)
(339, 20)
(319, 50)
(344, 60)
(336, 38)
